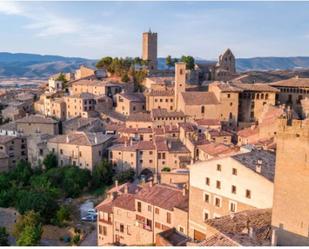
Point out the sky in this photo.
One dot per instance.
(201, 29)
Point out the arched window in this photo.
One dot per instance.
(230, 116)
(203, 109)
(266, 96)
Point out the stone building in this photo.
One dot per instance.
(290, 214)
(228, 185)
(15, 148)
(82, 149)
(133, 215)
(291, 92)
(150, 49)
(34, 124)
(128, 103)
(223, 70)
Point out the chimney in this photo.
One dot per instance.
(116, 185)
(258, 167)
(67, 139)
(169, 144)
(184, 191)
(126, 190)
(251, 233)
(155, 178)
(95, 139)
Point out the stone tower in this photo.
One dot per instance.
(227, 61)
(290, 213)
(150, 49)
(180, 82)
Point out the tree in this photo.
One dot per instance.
(102, 174)
(168, 61)
(4, 237)
(125, 78)
(41, 202)
(64, 81)
(124, 176)
(50, 161)
(105, 62)
(22, 173)
(28, 229)
(62, 215)
(189, 60)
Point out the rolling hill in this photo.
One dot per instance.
(41, 66)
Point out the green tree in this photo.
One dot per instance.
(4, 237)
(64, 81)
(102, 174)
(22, 173)
(28, 229)
(62, 215)
(41, 202)
(169, 61)
(124, 176)
(50, 161)
(125, 78)
(189, 60)
(105, 62)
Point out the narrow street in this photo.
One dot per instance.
(91, 239)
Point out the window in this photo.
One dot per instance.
(218, 167)
(157, 210)
(80, 154)
(248, 194)
(181, 229)
(121, 228)
(234, 172)
(139, 206)
(233, 206)
(207, 198)
(207, 181)
(104, 230)
(203, 109)
(149, 208)
(158, 225)
(217, 202)
(149, 223)
(218, 185)
(150, 152)
(228, 95)
(233, 189)
(168, 218)
(150, 161)
(205, 215)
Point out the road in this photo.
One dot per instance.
(91, 239)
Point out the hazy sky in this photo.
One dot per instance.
(201, 29)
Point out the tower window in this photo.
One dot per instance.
(180, 71)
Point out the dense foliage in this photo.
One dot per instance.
(4, 237)
(189, 60)
(39, 190)
(129, 69)
(28, 229)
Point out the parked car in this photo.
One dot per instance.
(92, 211)
(90, 217)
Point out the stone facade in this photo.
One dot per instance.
(150, 49)
(290, 214)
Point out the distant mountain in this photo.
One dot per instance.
(38, 66)
(271, 63)
(42, 66)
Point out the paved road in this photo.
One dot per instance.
(91, 239)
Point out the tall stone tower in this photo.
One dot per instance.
(290, 213)
(180, 82)
(150, 49)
